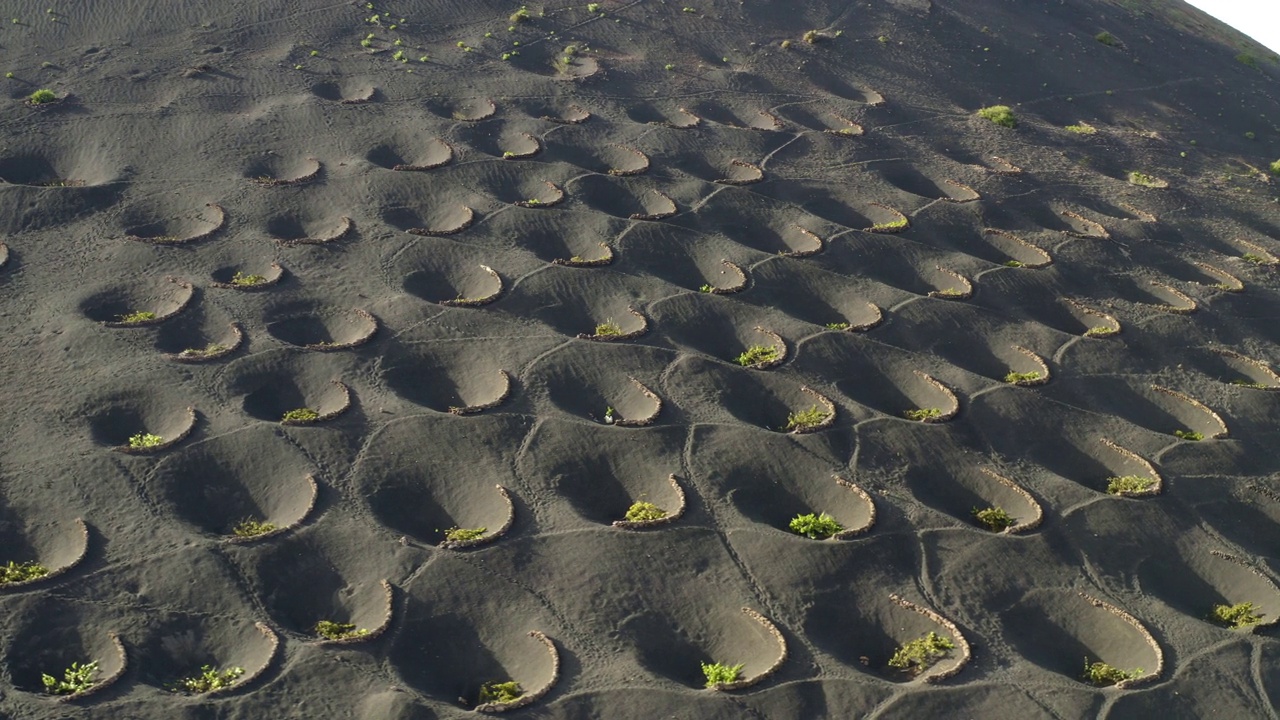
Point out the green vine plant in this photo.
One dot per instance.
(1014, 263)
(208, 679)
(42, 96)
(1101, 331)
(250, 528)
(457, 534)
(897, 224)
(139, 316)
(1145, 180)
(16, 572)
(641, 511)
(242, 280)
(758, 354)
(806, 419)
(995, 519)
(1019, 377)
(75, 679)
(838, 326)
(304, 414)
(1189, 435)
(500, 692)
(1249, 384)
(1101, 674)
(923, 414)
(1128, 484)
(1001, 115)
(206, 351)
(818, 526)
(1082, 128)
(608, 328)
(1235, 616)
(142, 441)
(718, 673)
(330, 630)
(922, 653)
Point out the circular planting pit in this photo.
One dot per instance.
(56, 547)
(156, 224)
(299, 230)
(411, 155)
(676, 645)
(177, 647)
(867, 632)
(433, 222)
(1196, 582)
(352, 92)
(448, 375)
(1059, 629)
(324, 329)
(199, 338)
(139, 422)
(51, 639)
(271, 170)
(965, 492)
(250, 475)
(248, 277)
(138, 305)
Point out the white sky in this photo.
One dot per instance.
(1259, 19)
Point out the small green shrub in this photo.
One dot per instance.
(519, 16)
(1001, 115)
(717, 673)
(995, 519)
(1106, 38)
(304, 414)
(758, 354)
(838, 326)
(812, 37)
(1235, 616)
(919, 655)
(1101, 331)
(140, 316)
(923, 414)
(209, 679)
(1129, 484)
(249, 527)
(42, 96)
(331, 630)
(142, 441)
(1191, 435)
(806, 419)
(950, 293)
(242, 280)
(76, 678)
(1102, 674)
(815, 527)
(1144, 180)
(1014, 263)
(1082, 128)
(1255, 259)
(593, 7)
(608, 328)
(500, 692)
(898, 224)
(457, 534)
(1021, 377)
(644, 512)
(1275, 168)
(15, 572)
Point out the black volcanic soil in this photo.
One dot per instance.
(456, 200)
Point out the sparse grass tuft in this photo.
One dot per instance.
(1235, 616)
(815, 527)
(1001, 115)
(608, 328)
(1019, 377)
(16, 572)
(248, 528)
(500, 692)
(1247, 59)
(139, 316)
(209, 679)
(1128, 484)
(331, 630)
(923, 414)
(142, 441)
(42, 96)
(806, 419)
(758, 354)
(1275, 168)
(717, 673)
(1106, 38)
(1102, 674)
(995, 519)
(1082, 128)
(641, 511)
(1191, 435)
(457, 534)
(76, 678)
(919, 655)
